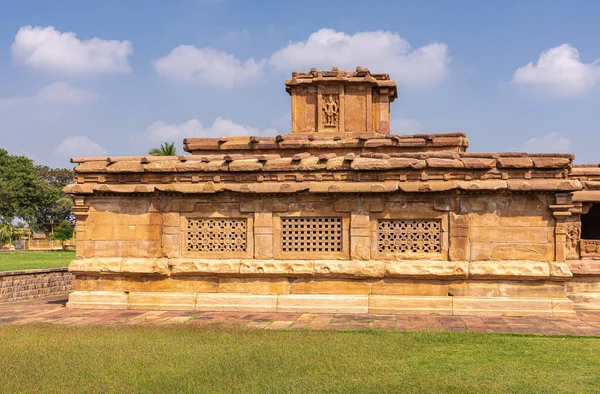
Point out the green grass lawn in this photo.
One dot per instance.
(12, 261)
(98, 359)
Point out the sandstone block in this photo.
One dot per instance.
(585, 301)
(503, 306)
(162, 301)
(190, 266)
(511, 234)
(426, 269)
(513, 289)
(319, 303)
(409, 287)
(319, 286)
(96, 265)
(349, 268)
(538, 252)
(514, 162)
(97, 300)
(150, 266)
(509, 270)
(584, 285)
(560, 271)
(228, 302)
(277, 267)
(183, 284)
(392, 304)
(563, 308)
(584, 267)
(254, 285)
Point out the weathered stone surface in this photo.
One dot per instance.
(349, 269)
(185, 266)
(322, 286)
(230, 302)
(426, 269)
(277, 267)
(560, 271)
(392, 304)
(409, 287)
(517, 289)
(254, 285)
(162, 300)
(584, 285)
(320, 303)
(585, 301)
(584, 267)
(509, 270)
(97, 300)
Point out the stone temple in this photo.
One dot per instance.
(338, 216)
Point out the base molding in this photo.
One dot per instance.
(323, 303)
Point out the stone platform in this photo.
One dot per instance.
(52, 310)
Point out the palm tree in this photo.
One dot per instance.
(166, 149)
(8, 233)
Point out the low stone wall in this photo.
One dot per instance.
(30, 284)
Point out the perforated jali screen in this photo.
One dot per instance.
(311, 235)
(216, 235)
(409, 236)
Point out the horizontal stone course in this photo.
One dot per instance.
(330, 303)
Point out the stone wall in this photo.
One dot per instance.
(30, 284)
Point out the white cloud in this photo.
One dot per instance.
(56, 93)
(406, 126)
(62, 92)
(381, 51)
(47, 49)
(161, 131)
(79, 147)
(550, 143)
(559, 72)
(208, 66)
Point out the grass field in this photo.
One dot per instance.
(12, 261)
(98, 359)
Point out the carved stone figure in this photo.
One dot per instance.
(331, 110)
(573, 237)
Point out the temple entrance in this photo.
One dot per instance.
(590, 223)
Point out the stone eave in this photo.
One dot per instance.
(332, 187)
(289, 144)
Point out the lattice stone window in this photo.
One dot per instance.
(315, 234)
(409, 236)
(216, 235)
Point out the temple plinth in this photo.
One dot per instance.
(338, 216)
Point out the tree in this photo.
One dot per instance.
(55, 206)
(21, 188)
(8, 233)
(62, 233)
(55, 177)
(166, 149)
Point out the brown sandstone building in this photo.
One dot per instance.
(338, 216)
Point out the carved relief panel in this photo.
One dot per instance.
(573, 238)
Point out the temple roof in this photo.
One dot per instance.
(361, 75)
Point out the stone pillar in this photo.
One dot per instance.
(561, 211)
(459, 247)
(263, 235)
(360, 240)
(81, 212)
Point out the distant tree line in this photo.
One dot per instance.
(32, 194)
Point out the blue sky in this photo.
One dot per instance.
(118, 77)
